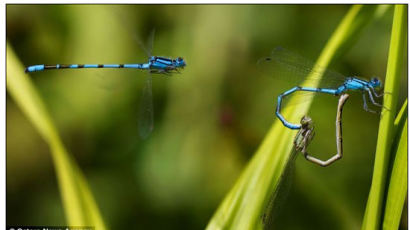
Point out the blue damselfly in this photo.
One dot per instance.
(154, 65)
(294, 66)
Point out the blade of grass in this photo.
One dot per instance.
(79, 204)
(386, 133)
(243, 206)
(397, 192)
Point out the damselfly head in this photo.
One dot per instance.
(306, 121)
(375, 82)
(305, 134)
(180, 62)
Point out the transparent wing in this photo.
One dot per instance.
(279, 197)
(146, 110)
(150, 42)
(291, 67)
(147, 47)
(125, 21)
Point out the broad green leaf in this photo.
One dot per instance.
(79, 204)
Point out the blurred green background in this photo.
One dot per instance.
(208, 120)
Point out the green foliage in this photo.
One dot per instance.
(208, 119)
(78, 201)
(387, 130)
(397, 190)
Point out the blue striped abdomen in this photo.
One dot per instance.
(36, 68)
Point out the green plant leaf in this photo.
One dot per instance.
(243, 206)
(397, 190)
(79, 204)
(387, 129)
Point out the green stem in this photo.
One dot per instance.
(386, 133)
(397, 192)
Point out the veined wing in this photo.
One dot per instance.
(146, 110)
(147, 47)
(286, 65)
(279, 197)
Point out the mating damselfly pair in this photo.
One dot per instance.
(154, 65)
(297, 68)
